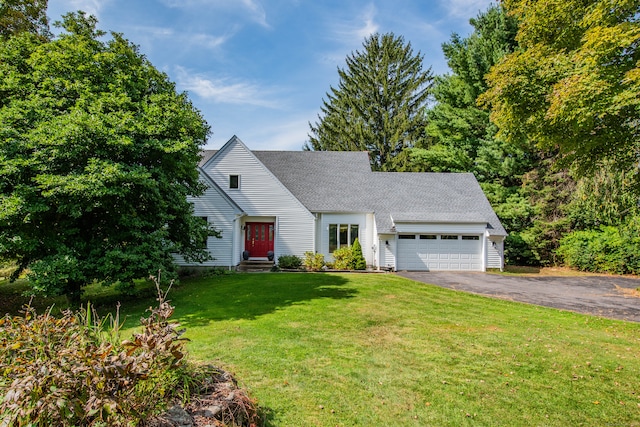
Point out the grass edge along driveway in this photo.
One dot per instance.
(364, 349)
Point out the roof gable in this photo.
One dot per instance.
(212, 184)
(235, 158)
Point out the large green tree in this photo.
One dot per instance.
(571, 88)
(462, 139)
(379, 103)
(17, 16)
(528, 195)
(98, 153)
(573, 84)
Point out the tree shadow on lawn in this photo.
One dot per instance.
(249, 295)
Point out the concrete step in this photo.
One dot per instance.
(255, 265)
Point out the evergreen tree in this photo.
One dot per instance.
(462, 136)
(379, 103)
(357, 259)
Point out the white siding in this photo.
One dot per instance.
(221, 214)
(495, 258)
(365, 231)
(262, 195)
(370, 250)
(387, 250)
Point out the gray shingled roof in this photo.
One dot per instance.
(206, 155)
(432, 197)
(323, 181)
(331, 181)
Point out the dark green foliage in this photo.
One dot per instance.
(24, 16)
(464, 140)
(528, 193)
(607, 249)
(605, 198)
(378, 105)
(357, 259)
(98, 154)
(73, 370)
(191, 272)
(549, 192)
(462, 137)
(313, 261)
(289, 262)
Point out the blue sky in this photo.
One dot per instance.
(259, 69)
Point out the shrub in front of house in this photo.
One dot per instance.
(313, 261)
(342, 258)
(289, 262)
(357, 259)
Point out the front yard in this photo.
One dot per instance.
(362, 349)
(377, 349)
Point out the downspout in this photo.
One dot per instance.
(315, 232)
(235, 239)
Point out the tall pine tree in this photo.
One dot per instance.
(379, 103)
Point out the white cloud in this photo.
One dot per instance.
(290, 134)
(152, 35)
(465, 8)
(257, 12)
(352, 32)
(251, 8)
(369, 26)
(206, 40)
(225, 90)
(92, 7)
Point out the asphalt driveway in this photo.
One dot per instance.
(597, 295)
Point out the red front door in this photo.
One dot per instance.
(258, 238)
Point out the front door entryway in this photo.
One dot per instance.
(258, 238)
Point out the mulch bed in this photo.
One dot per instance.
(220, 403)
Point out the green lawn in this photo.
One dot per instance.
(368, 349)
(380, 350)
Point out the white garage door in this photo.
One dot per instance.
(439, 252)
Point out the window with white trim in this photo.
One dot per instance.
(234, 181)
(342, 235)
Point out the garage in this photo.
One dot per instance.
(449, 252)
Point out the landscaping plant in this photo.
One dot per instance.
(357, 259)
(342, 258)
(313, 261)
(289, 262)
(73, 370)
